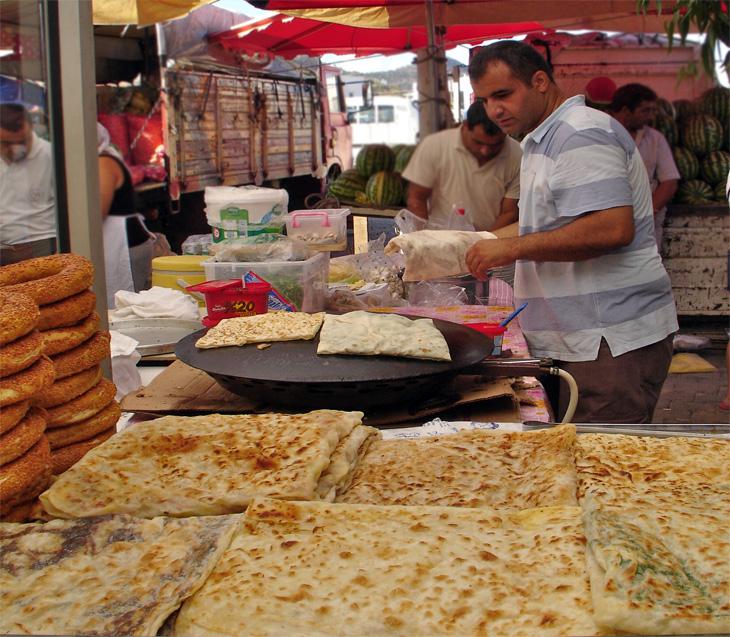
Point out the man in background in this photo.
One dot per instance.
(474, 164)
(27, 199)
(634, 105)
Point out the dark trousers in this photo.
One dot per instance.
(621, 389)
(23, 251)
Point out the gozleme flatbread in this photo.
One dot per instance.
(262, 328)
(104, 575)
(372, 334)
(471, 468)
(658, 560)
(304, 568)
(201, 465)
(432, 254)
(344, 460)
(615, 459)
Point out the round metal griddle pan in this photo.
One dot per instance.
(292, 374)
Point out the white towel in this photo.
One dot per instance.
(157, 302)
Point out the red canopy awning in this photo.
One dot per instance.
(288, 37)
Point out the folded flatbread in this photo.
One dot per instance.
(471, 468)
(262, 328)
(373, 334)
(104, 575)
(432, 254)
(306, 568)
(201, 465)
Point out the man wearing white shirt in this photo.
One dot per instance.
(27, 197)
(475, 164)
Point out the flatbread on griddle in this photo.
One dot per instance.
(104, 575)
(306, 568)
(471, 468)
(262, 328)
(374, 334)
(201, 465)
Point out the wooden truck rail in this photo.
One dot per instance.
(229, 130)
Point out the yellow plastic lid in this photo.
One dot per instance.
(180, 263)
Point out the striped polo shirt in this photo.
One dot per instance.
(577, 161)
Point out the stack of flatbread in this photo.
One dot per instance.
(262, 328)
(212, 465)
(373, 334)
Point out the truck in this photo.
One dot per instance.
(221, 118)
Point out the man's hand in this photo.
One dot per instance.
(487, 254)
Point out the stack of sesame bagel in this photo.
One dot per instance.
(52, 296)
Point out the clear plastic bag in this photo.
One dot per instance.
(460, 218)
(435, 294)
(261, 247)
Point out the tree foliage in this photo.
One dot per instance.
(710, 17)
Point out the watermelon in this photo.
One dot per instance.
(397, 148)
(667, 127)
(701, 134)
(694, 191)
(374, 158)
(347, 185)
(385, 188)
(403, 157)
(687, 164)
(715, 167)
(716, 102)
(683, 110)
(665, 107)
(721, 192)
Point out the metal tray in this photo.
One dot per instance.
(155, 335)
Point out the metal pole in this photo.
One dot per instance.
(433, 104)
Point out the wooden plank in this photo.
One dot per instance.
(693, 271)
(695, 242)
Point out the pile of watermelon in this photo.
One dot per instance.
(376, 177)
(698, 133)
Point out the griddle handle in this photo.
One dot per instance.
(505, 368)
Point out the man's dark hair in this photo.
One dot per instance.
(631, 96)
(477, 115)
(13, 117)
(521, 58)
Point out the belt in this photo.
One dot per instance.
(22, 251)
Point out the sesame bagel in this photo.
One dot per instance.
(23, 436)
(82, 407)
(62, 339)
(66, 312)
(91, 352)
(105, 419)
(23, 385)
(64, 458)
(48, 279)
(19, 314)
(13, 414)
(25, 477)
(20, 353)
(68, 388)
(19, 514)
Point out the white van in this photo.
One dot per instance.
(392, 120)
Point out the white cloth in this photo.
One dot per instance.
(116, 258)
(27, 196)
(442, 163)
(157, 302)
(125, 357)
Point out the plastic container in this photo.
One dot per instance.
(319, 229)
(231, 298)
(245, 210)
(179, 272)
(296, 286)
(494, 331)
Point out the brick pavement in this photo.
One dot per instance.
(694, 398)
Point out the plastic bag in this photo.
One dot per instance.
(197, 244)
(260, 247)
(435, 294)
(460, 218)
(340, 298)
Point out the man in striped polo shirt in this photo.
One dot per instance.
(600, 303)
